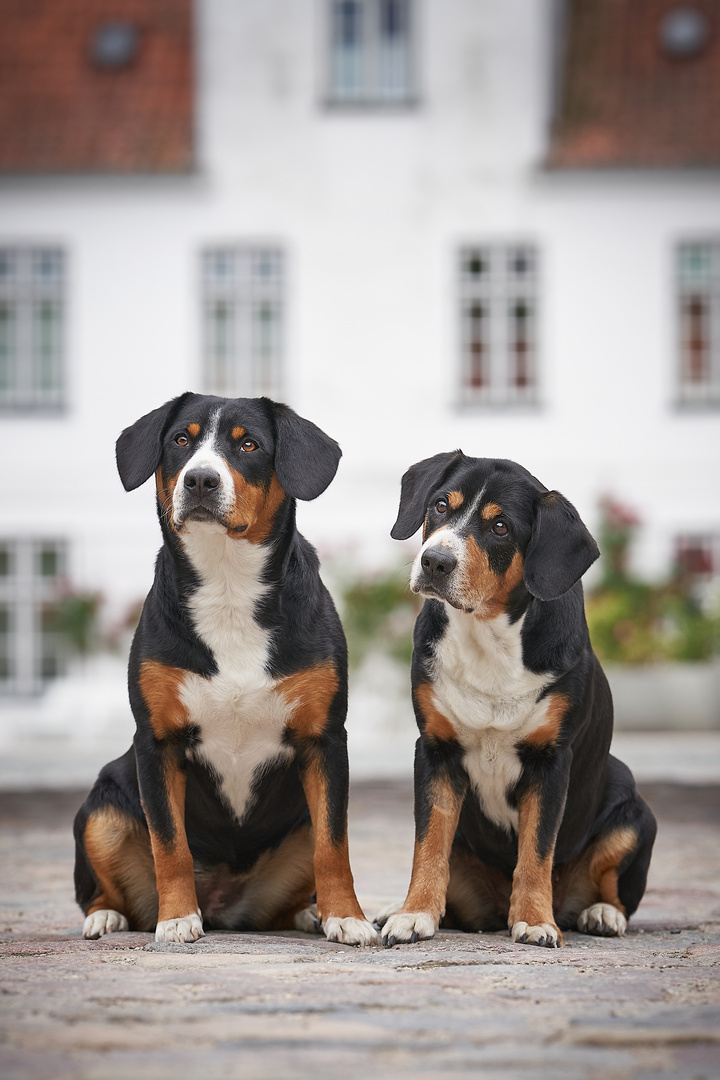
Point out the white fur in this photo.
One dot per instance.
(105, 921)
(402, 926)
(351, 931)
(307, 920)
(491, 699)
(602, 919)
(544, 934)
(189, 928)
(206, 456)
(239, 715)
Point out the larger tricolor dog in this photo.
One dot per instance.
(523, 819)
(230, 810)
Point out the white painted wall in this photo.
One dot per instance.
(370, 208)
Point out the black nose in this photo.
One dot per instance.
(438, 563)
(202, 481)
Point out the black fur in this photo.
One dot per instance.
(583, 792)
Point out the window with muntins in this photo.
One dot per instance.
(498, 324)
(243, 320)
(699, 321)
(371, 54)
(31, 648)
(32, 315)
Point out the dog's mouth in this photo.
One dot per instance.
(203, 515)
(430, 592)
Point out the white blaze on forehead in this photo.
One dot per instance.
(447, 537)
(208, 456)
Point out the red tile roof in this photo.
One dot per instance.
(624, 100)
(61, 112)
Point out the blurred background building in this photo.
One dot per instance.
(422, 223)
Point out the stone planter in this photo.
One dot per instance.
(665, 697)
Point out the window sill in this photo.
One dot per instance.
(371, 105)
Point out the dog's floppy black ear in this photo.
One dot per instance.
(138, 451)
(306, 459)
(417, 486)
(560, 550)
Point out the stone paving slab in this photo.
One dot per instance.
(290, 1006)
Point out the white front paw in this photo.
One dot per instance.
(384, 914)
(105, 921)
(602, 919)
(188, 928)
(350, 931)
(546, 934)
(307, 920)
(408, 926)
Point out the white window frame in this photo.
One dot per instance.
(698, 306)
(25, 593)
(499, 353)
(378, 69)
(243, 319)
(32, 326)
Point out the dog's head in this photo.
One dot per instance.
(491, 533)
(226, 462)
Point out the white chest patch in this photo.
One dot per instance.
(490, 698)
(239, 714)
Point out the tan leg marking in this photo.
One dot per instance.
(531, 902)
(161, 687)
(118, 849)
(173, 862)
(431, 857)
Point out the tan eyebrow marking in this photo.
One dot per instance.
(455, 499)
(491, 511)
(237, 432)
(194, 430)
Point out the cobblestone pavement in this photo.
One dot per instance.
(286, 1006)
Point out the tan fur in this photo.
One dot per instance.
(430, 872)
(161, 687)
(478, 896)
(237, 432)
(173, 861)
(118, 848)
(491, 511)
(254, 507)
(532, 899)
(436, 724)
(455, 500)
(593, 876)
(194, 430)
(484, 590)
(547, 734)
(311, 692)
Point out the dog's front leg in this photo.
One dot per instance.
(540, 808)
(440, 785)
(324, 771)
(161, 775)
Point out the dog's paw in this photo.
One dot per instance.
(188, 928)
(546, 934)
(602, 919)
(350, 931)
(105, 921)
(408, 926)
(308, 921)
(384, 914)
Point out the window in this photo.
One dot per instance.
(243, 320)
(31, 327)
(699, 298)
(370, 52)
(31, 649)
(498, 314)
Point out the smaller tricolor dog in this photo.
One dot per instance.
(522, 817)
(230, 810)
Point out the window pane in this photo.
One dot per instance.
(7, 345)
(6, 560)
(347, 50)
(48, 561)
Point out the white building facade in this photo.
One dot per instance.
(370, 234)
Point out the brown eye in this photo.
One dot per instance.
(248, 445)
(182, 440)
(441, 506)
(500, 528)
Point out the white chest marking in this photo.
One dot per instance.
(492, 702)
(239, 713)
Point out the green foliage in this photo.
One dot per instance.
(378, 613)
(635, 622)
(75, 619)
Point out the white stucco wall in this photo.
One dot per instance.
(370, 208)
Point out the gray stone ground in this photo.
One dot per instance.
(286, 1006)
